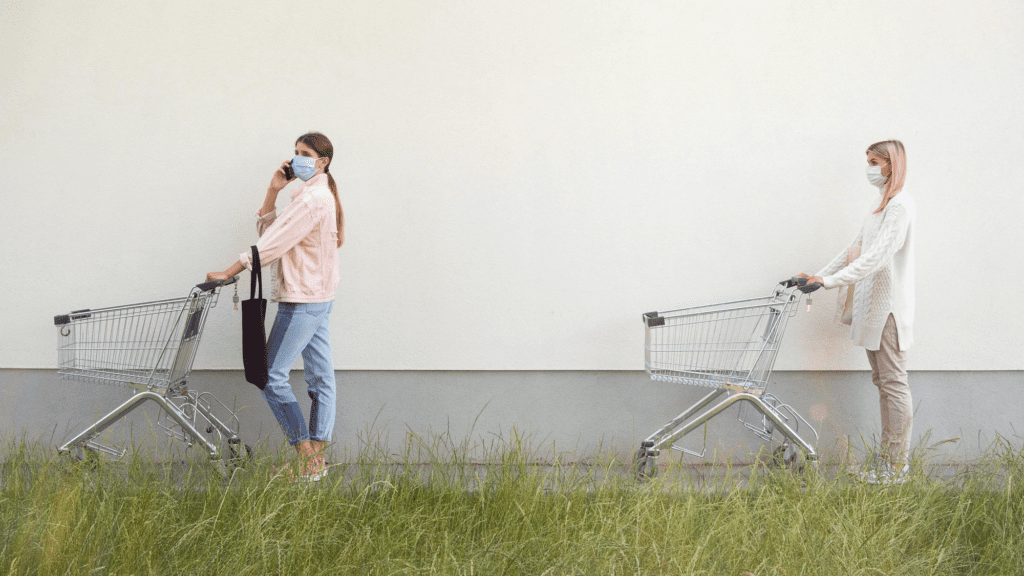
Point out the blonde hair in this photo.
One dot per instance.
(893, 151)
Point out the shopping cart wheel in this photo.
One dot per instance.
(780, 456)
(646, 464)
(78, 458)
(239, 454)
(799, 463)
(788, 456)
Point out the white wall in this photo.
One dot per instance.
(521, 180)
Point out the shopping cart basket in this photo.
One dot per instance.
(730, 347)
(149, 347)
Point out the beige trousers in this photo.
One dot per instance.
(889, 374)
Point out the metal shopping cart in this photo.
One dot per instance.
(730, 347)
(149, 347)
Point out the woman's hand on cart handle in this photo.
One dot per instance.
(215, 279)
(806, 282)
(809, 283)
(220, 280)
(232, 271)
(210, 285)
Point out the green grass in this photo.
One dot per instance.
(386, 514)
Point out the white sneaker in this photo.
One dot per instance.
(882, 472)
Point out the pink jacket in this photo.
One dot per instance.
(303, 241)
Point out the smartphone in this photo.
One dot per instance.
(288, 173)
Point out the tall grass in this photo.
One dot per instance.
(519, 511)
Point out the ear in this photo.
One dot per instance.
(321, 162)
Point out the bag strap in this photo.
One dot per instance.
(256, 276)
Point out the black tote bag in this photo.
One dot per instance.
(254, 328)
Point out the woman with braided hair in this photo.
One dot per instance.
(875, 274)
(303, 240)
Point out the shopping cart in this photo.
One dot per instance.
(149, 347)
(730, 347)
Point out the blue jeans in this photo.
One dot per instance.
(302, 328)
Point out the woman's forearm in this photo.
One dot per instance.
(889, 239)
(270, 202)
(235, 269)
(840, 260)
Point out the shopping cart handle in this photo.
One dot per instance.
(207, 286)
(653, 319)
(802, 283)
(62, 319)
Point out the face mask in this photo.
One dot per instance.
(304, 167)
(875, 176)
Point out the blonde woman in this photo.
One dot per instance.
(875, 274)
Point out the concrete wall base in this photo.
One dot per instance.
(573, 414)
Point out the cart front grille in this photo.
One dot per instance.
(152, 344)
(727, 344)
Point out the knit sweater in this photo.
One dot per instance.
(882, 270)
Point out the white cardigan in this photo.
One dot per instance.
(882, 268)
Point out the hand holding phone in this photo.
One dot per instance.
(282, 176)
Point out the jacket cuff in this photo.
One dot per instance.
(829, 282)
(246, 259)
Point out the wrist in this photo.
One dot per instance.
(235, 269)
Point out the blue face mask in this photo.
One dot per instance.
(304, 167)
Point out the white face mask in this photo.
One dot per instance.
(875, 176)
